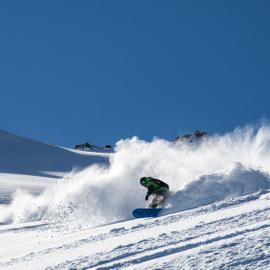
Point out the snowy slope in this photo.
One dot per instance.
(220, 195)
(34, 166)
(23, 156)
(231, 235)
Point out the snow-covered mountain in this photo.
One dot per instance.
(23, 156)
(34, 166)
(220, 198)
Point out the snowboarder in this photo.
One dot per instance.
(158, 189)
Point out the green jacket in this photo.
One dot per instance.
(153, 185)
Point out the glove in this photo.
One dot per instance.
(146, 197)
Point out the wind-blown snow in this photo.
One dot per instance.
(217, 168)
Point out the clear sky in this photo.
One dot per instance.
(99, 71)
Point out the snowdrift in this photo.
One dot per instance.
(218, 168)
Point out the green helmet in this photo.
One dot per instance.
(143, 181)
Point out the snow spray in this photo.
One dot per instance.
(216, 168)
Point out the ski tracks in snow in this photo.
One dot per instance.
(214, 237)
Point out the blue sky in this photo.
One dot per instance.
(99, 71)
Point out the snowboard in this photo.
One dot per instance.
(146, 212)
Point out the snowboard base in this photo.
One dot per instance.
(146, 212)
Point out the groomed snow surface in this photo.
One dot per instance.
(66, 209)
